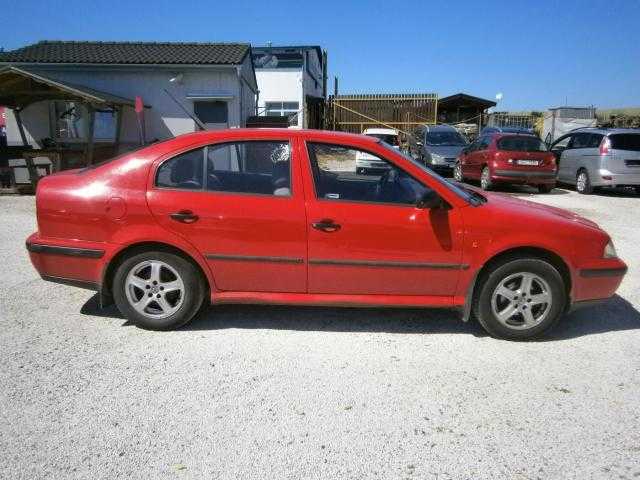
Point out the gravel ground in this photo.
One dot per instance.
(271, 392)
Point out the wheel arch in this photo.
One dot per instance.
(143, 246)
(513, 253)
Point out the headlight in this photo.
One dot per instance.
(610, 251)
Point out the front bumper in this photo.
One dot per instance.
(598, 280)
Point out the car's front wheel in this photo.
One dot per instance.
(457, 173)
(158, 290)
(520, 298)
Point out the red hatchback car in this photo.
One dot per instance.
(507, 159)
(282, 217)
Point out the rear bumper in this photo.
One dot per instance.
(76, 263)
(605, 179)
(529, 177)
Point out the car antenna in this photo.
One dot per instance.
(200, 125)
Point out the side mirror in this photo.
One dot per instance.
(429, 200)
(419, 143)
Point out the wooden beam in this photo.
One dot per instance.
(90, 131)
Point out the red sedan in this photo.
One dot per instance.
(282, 217)
(507, 159)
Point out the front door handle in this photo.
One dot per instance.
(184, 216)
(326, 225)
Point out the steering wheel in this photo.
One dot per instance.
(387, 180)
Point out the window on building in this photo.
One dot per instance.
(283, 109)
(216, 111)
(71, 122)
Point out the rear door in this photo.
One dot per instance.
(241, 205)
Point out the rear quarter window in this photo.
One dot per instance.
(625, 141)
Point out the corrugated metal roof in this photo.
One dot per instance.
(127, 53)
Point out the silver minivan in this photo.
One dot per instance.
(599, 157)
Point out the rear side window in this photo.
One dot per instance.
(595, 139)
(262, 167)
(183, 171)
(521, 144)
(625, 141)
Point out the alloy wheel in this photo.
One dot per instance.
(457, 173)
(521, 301)
(485, 180)
(581, 182)
(154, 289)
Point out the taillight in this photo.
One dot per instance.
(605, 145)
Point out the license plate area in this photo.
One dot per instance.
(528, 163)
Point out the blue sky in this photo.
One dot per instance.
(537, 53)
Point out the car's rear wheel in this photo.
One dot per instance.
(457, 173)
(583, 182)
(485, 179)
(545, 188)
(519, 299)
(158, 290)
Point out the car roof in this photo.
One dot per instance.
(606, 131)
(380, 131)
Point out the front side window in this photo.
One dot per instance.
(581, 140)
(562, 143)
(521, 144)
(345, 173)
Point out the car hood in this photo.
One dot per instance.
(528, 208)
(445, 151)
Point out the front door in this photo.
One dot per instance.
(241, 205)
(366, 235)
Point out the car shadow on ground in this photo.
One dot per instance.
(615, 315)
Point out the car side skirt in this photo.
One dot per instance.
(334, 300)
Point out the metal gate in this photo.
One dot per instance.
(355, 113)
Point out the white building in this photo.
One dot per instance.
(292, 82)
(65, 89)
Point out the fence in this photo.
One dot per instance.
(512, 120)
(355, 113)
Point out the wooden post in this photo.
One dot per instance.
(119, 111)
(89, 148)
(28, 160)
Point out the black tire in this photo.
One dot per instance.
(545, 188)
(457, 173)
(485, 179)
(490, 280)
(583, 187)
(194, 291)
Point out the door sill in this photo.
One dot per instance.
(330, 299)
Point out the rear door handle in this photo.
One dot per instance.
(326, 225)
(184, 216)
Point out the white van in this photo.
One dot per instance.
(365, 163)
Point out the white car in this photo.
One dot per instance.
(369, 163)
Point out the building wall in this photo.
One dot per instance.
(165, 119)
(291, 84)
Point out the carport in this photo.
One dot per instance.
(20, 88)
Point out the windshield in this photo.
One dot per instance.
(521, 144)
(449, 139)
(467, 195)
(385, 137)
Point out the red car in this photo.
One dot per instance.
(282, 217)
(507, 158)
